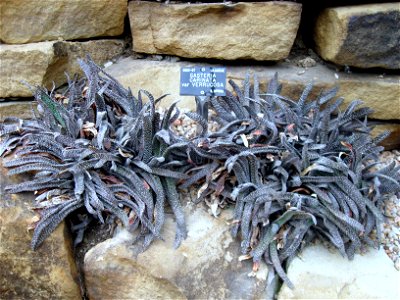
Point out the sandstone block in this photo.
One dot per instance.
(159, 77)
(363, 36)
(47, 273)
(205, 266)
(24, 63)
(321, 274)
(19, 109)
(258, 31)
(100, 51)
(45, 62)
(23, 21)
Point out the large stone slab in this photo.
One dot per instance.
(259, 31)
(205, 266)
(363, 36)
(47, 273)
(321, 274)
(161, 77)
(45, 62)
(24, 21)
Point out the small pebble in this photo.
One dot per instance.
(158, 57)
(301, 72)
(307, 62)
(397, 264)
(107, 64)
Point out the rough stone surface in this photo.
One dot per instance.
(363, 36)
(24, 62)
(382, 93)
(100, 51)
(19, 109)
(45, 62)
(259, 31)
(321, 274)
(205, 266)
(393, 140)
(24, 21)
(47, 273)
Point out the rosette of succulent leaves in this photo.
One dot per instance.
(302, 169)
(98, 149)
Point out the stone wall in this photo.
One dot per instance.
(144, 43)
(43, 39)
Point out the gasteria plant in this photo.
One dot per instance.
(302, 169)
(294, 170)
(97, 147)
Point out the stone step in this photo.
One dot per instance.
(45, 62)
(363, 36)
(381, 93)
(35, 21)
(228, 31)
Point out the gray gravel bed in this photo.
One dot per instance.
(391, 210)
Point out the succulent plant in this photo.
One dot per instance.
(302, 169)
(99, 148)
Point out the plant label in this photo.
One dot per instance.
(203, 81)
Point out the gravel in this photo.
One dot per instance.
(186, 127)
(391, 210)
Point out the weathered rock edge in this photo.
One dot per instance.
(363, 36)
(45, 62)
